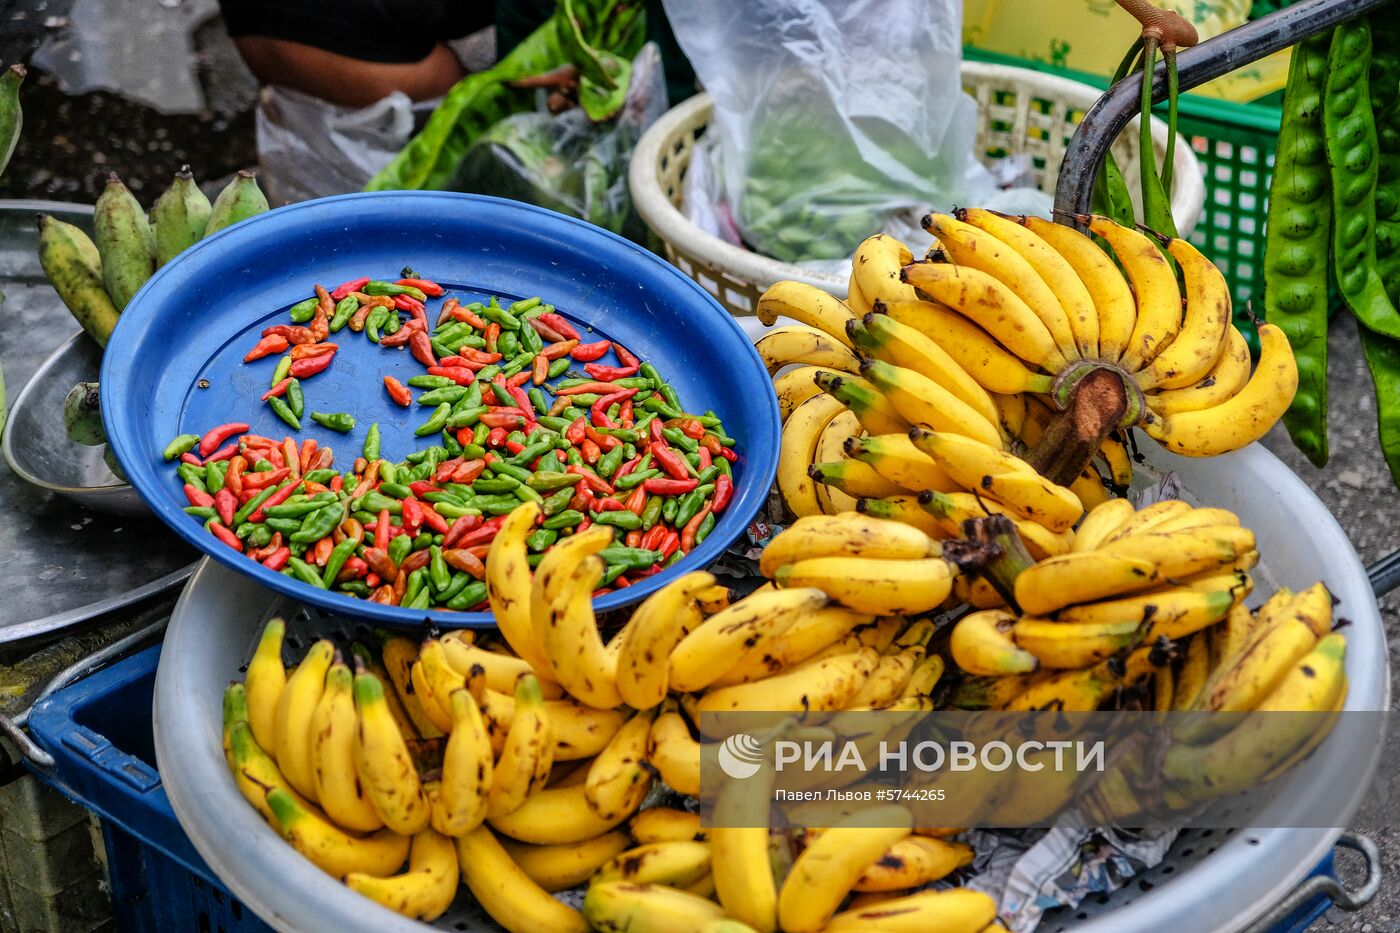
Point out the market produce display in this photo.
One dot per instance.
(613, 447)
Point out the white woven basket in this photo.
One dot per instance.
(1018, 111)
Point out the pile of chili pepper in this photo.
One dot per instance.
(608, 445)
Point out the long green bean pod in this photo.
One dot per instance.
(1385, 107)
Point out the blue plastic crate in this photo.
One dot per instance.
(99, 733)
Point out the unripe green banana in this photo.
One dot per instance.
(241, 199)
(73, 265)
(11, 118)
(180, 216)
(125, 242)
(82, 417)
(110, 459)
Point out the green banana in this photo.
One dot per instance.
(179, 216)
(73, 265)
(11, 117)
(125, 242)
(82, 417)
(111, 460)
(241, 199)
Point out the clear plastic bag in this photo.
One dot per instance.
(833, 116)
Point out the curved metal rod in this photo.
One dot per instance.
(1328, 885)
(1195, 66)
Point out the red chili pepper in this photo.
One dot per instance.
(422, 486)
(624, 414)
(378, 560)
(600, 408)
(444, 471)
(431, 289)
(588, 352)
(728, 454)
(372, 580)
(582, 500)
(652, 537)
(324, 458)
(278, 559)
(691, 527)
(446, 310)
(626, 468)
(601, 591)
(609, 373)
(467, 316)
(273, 343)
(661, 486)
(519, 379)
(398, 392)
(469, 471)
(321, 323)
(277, 498)
(557, 323)
(637, 500)
(668, 546)
(402, 336)
(605, 442)
(545, 331)
(191, 459)
(345, 288)
(633, 539)
(412, 516)
(198, 497)
(491, 335)
(259, 481)
(656, 435)
(458, 374)
(460, 362)
(479, 356)
(433, 521)
(523, 401)
(465, 560)
(226, 452)
(307, 350)
(290, 458)
(302, 369)
(233, 476)
(483, 535)
(588, 388)
(558, 350)
(608, 504)
(669, 460)
(304, 455)
(422, 348)
(574, 434)
(458, 528)
(337, 483)
(295, 335)
(383, 528)
(590, 479)
(278, 389)
(413, 306)
(590, 451)
(622, 582)
(352, 569)
(321, 552)
(691, 428)
(583, 526)
(703, 459)
(724, 489)
(514, 447)
(217, 435)
(502, 420)
(226, 536)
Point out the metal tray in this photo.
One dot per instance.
(174, 363)
(64, 563)
(1212, 880)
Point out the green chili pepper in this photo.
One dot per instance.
(464, 418)
(430, 382)
(494, 485)
(201, 511)
(319, 476)
(634, 479)
(669, 509)
(656, 404)
(389, 289)
(214, 474)
(341, 421)
(253, 504)
(388, 471)
(634, 558)
(452, 330)
(454, 511)
(544, 481)
(339, 555)
(525, 304)
(558, 502)
(517, 363)
(392, 323)
(354, 588)
(494, 312)
(375, 502)
(435, 422)
(566, 519)
(344, 310)
(303, 311)
(610, 461)
(284, 366)
(396, 490)
(487, 373)
(469, 596)
(537, 399)
(285, 525)
(612, 572)
(502, 468)
(528, 454)
(677, 437)
(261, 536)
(445, 394)
(541, 539)
(526, 494)
(675, 558)
(625, 520)
(180, 445)
(399, 548)
(283, 411)
(376, 320)
(304, 572)
(438, 571)
(195, 476)
(415, 586)
(318, 524)
(555, 424)
(574, 457)
(496, 505)
(454, 586)
(262, 466)
(371, 449)
(558, 367)
(449, 440)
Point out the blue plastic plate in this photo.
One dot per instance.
(174, 364)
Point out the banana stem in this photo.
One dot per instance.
(992, 548)
(1098, 403)
(1173, 91)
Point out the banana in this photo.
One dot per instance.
(714, 598)
(426, 890)
(975, 248)
(180, 216)
(740, 852)
(1175, 613)
(335, 852)
(1054, 270)
(1223, 382)
(579, 731)
(665, 824)
(254, 771)
(1114, 454)
(1163, 688)
(885, 338)
(810, 634)
(855, 479)
(831, 447)
(920, 400)
(971, 347)
(807, 305)
(386, 771)
(904, 509)
(819, 684)
(582, 664)
(618, 778)
(977, 593)
(1061, 645)
(235, 709)
(1154, 286)
(849, 534)
(655, 630)
(508, 586)
(1195, 668)
(798, 343)
(1099, 523)
(555, 815)
(981, 644)
(674, 753)
(502, 670)
(437, 680)
(896, 458)
(1001, 476)
(333, 727)
(551, 576)
(468, 771)
(505, 892)
(528, 755)
(875, 269)
(292, 721)
(1194, 351)
(875, 412)
(675, 864)
(1113, 299)
(828, 868)
(1088, 487)
(240, 199)
(265, 679)
(560, 867)
(1147, 519)
(1229, 639)
(1197, 518)
(82, 415)
(801, 433)
(1069, 579)
(74, 267)
(1178, 554)
(913, 862)
(1241, 419)
(959, 910)
(626, 907)
(855, 298)
(1292, 632)
(713, 649)
(952, 509)
(399, 655)
(11, 116)
(798, 384)
(125, 242)
(887, 682)
(879, 587)
(1083, 690)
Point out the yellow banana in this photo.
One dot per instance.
(674, 753)
(875, 412)
(1226, 378)
(812, 632)
(855, 479)
(1241, 419)
(264, 682)
(713, 649)
(1194, 351)
(920, 400)
(953, 508)
(560, 867)
(293, 720)
(426, 890)
(875, 269)
(333, 737)
(1196, 518)
(959, 910)
(579, 731)
(973, 348)
(904, 509)
(855, 298)
(1060, 645)
(387, 774)
(1080, 578)
(439, 678)
(528, 755)
(799, 446)
(1100, 522)
(739, 852)
(1113, 299)
(887, 682)
(829, 867)
(618, 778)
(665, 824)
(796, 385)
(1114, 454)
(1180, 553)
(335, 852)
(1175, 613)
(506, 893)
(1154, 286)
(254, 771)
(714, 598)
(898, 344)
(1083, 690)
(819, 684)
(974, 248)
(1229, 639)
(849, 534)
(981, 643)
(978, 593)
(805, 304)
(798, 343)
(676, 864)
(1254, 673)
(1147, 519)
(1195, 668)
(627, 907)
(653, 633)
(879, 587)
(1088, 487)
(913, 862)
(555, 815)
(399, 655)
(508, 585)
(502, 670)
(1001, 476)
(831, 446)
(582, 663)
(896, 458)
